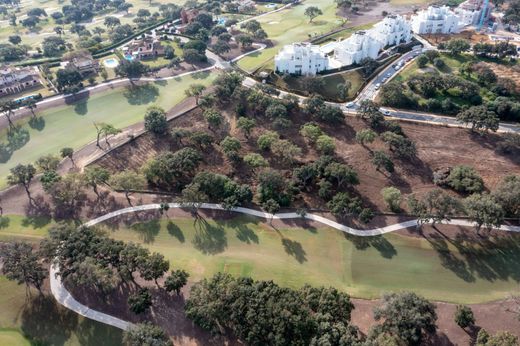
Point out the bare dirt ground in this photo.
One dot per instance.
(512, 72)
(372, 12)
(491, 316)
(470, 35)
(437, 147)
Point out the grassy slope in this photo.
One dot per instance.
(292, 25)
(71, 126)
(365, 267)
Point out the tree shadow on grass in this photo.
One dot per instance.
(209, 239)
(92, 333)
(492, 258)
(17, 137)
(35, 221)
(449, 260)
(37, 123)
(246, 234)
(147, 230)
(81, 107)
(46, 323)
(175, 231)
(295, 249)
(141, 94)
(200, 75)
(4, 222)
(380, 243)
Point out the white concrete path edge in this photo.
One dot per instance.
(65, 298)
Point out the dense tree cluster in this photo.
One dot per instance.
(88, 257)
(263, 313)
(217, 188)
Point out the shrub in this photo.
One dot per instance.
(325, 144)
(464, 316)
(465, 179)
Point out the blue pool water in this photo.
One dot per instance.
(129, 57)
(111, 62)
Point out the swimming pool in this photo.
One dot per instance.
(221, 21)
(111, 63)
(270, 5)
(129, 57)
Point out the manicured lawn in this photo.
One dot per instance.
(72, 126)
(291, 25)
(13, 338)
(41, 321)
(345, 33)
(161, 61)
(365, 267)
(27, 228)
(330, 91)
(331, 83)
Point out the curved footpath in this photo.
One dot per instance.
(64, 297)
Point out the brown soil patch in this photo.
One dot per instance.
(437, 147)
(371, 12)
(493, 317)
(469, 35)
(512, 72)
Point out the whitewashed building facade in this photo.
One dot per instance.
(435, 20)
(356, 48)
(301, 58)
(391, 31)
(470, 12)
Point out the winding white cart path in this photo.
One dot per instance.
(65, 298)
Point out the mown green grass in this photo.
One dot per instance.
(365, 267)
(39, 320)
(291, 25)
(16, 227)
(72, 126)
(13, 338)
(436, 267)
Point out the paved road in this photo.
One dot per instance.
(371, 89)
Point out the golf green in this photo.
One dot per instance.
(72, 125)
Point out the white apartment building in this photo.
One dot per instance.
(392, 30)
(357, 47)
(435, 20)
(301, 58)
(470, 12)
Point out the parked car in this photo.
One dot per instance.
(378, 85)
